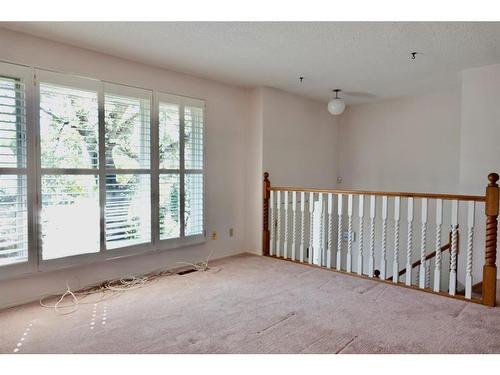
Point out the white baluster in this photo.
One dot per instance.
(423, 237)
(349, 234)
(383, 257)
(321, 230)
(271, 223)
(302, 225)
(330, 231)
(278, 223)
(437, 265)
(427, 273)
(285, 241)
(371, 257)
(338, 264)
(454, 247)
(311, 227)
(395, 263)
(361, 203)
(470, 238)
(294, 223)
(410, 242)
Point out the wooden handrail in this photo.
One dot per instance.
(476, 198)
(429, 256)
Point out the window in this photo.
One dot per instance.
(110, 173)
(193, 156)
(128, 166)
(69, 158)
(181, 123)
(13, 166)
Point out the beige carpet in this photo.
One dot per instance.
(258, 305)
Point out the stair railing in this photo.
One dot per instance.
(427, 258)
(300, 224)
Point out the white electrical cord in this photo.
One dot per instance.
(202, 265)
(75, 298)
(57, 306)
(111, 289)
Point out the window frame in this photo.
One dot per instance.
(30, 265)
(181, 101)
(32, 77)
(76, 82)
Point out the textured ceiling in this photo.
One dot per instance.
(371, 59)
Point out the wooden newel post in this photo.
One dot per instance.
(490, 267)
(265, 213)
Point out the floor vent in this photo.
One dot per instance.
(185, 272)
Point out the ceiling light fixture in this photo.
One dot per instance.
(336, 106)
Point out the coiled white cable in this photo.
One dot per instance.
(112, 289)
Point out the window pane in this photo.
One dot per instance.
(68, 127)
(70, 215)
(169, 136)
(127, 132)
(194, 204)
(13, 220)
(12, 123)
(128, 210)
(169, 206)
(193, 134)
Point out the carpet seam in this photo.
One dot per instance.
(346, 345)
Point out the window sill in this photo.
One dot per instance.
(23, 269)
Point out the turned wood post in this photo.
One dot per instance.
(265, 213)
(490, 267)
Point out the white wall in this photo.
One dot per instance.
(405, 144)
(295, 140)
(442, 142)
(299, 140)
(480, 133)
(228, 114)
(254, 170)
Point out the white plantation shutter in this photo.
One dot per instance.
(12, 123)
(193, 156)
(128, 166)
(193, 217)
(68, 126)
(128, 210)
(13, 167)
(181, 167)
(65, 197)
(69, 153)
(169, 135)
(193, 134)
(128, 140)
(13, 219)
(169, 207)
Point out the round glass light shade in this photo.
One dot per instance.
(336, 106)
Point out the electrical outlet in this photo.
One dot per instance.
(231, 232)
(214, 235)
(339, 180)
(345, 236)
